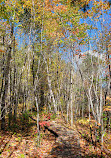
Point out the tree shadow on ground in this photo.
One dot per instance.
(69, 151)
(21, 126)
(65, 149)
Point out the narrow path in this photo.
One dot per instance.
(67, 144)
(70, 144)
(58, 141)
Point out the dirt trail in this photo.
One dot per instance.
(67, 145)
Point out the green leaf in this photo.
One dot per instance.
(22, 155)
(97, 137)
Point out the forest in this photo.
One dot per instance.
(55, 79)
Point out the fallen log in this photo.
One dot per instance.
(32, 118)
(47, 128)
(51, 131)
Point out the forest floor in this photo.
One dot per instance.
(68, 144)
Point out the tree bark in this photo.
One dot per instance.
(5, 88)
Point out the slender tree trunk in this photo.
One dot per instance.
(50, 89)
(15, 98)
(5, 89)
(10, 103)
(38, 131)
(71, 97)
(68, 110)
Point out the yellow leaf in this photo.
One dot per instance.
(109, 147)
(2, 51)
(99, 124)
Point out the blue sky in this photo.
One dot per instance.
(91, 33)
